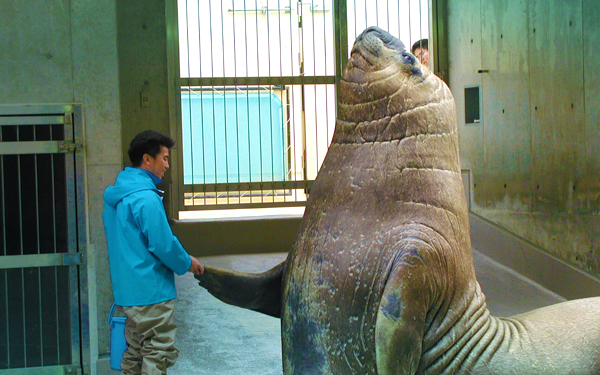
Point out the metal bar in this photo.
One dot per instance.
(31, 120)
(41, 320)
(409, 24)
(315, 87)
(291, 134)
(387, 8)
(355, 18)
(420, 23)
(224, 102)
(244, 205)
(212, 83)
(302, 87)
(12, 109)
(7, 320)
(326, 87)
(174, 102)
(202, 140)
(284, 127)
(39, 147)
(72, 207)
(248, 186)
(399, 22)
(19, 189)
(438, 45)
(257, 81)
(260, 140)
(4, 247)
(270, 101)
(191, 127)
(258, 101)
(52, 169)
(39, 271)
(247, 96)
(292, 108)
(22, 251)
(237, 119)
(341, 41)
(40, 260)
(37, 203)
(84, 312)
(262, 9)
(46, 370)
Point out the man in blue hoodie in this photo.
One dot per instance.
(144, 255)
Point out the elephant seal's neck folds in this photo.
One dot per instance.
(378, 108)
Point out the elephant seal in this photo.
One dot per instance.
(381, 279)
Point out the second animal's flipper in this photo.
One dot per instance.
(259, 292)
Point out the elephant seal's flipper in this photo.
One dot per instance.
(259, 292)
(400, 323)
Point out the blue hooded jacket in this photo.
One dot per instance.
(142, 250)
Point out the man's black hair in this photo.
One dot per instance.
(147, 142)
(422, 44)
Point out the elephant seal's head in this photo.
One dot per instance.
(386, 94)
(375, 48)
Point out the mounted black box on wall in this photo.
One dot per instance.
(472, 112)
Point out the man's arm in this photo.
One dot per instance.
(152, 220)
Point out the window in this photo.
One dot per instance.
(258, 91)
(231, 136)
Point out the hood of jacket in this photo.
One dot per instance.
(129, 181)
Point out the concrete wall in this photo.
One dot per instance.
(252, 236)
(66, 52)
(142, 40)
(534, 157)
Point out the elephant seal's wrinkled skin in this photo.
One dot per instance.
(381, 279)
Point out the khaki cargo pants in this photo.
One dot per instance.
(150, 334)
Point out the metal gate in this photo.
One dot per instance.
(43, 279)
(241, 152)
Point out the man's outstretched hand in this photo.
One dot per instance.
(196, 268)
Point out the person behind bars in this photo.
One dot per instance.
(421, 51)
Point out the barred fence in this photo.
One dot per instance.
(258, 91)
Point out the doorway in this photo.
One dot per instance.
(43, 278)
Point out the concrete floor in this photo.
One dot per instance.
(219, 339)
